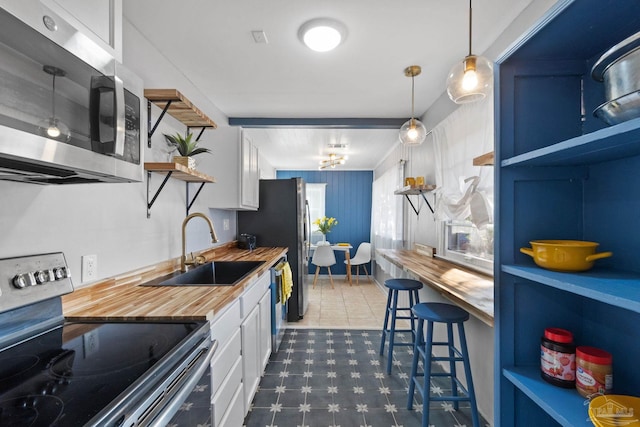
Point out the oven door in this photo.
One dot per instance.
(157, 395)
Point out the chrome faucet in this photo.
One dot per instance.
(197, 260)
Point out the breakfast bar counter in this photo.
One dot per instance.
(122, 298)
(467, 288)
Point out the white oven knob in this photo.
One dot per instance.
(22, 280)
(59, 273)
(41, 276)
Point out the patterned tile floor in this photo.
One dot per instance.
(336, 377)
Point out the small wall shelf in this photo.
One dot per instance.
(178, 106)
(486, 159)
(176, 171)
(414, 191)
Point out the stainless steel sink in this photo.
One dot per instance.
(215, 273)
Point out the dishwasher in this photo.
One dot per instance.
(278, 306)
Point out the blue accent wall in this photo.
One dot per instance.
(348, 199)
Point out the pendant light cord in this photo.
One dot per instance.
(53, 98)
(412, 97)
(470, 27)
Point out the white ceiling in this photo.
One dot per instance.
(211, 43)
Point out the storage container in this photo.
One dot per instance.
(557, 357)
(594, 374)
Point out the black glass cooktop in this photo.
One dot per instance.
(66, 376)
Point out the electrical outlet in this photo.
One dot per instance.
(89, 267)
(90, 342)
(225, 224)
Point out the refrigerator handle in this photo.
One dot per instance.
(307, 230)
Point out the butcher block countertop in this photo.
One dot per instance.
(469, 289)
(122, 298)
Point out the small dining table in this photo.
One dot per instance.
(343, 247)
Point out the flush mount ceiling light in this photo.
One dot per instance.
(413, 131)
(332, 161)
(472, 79)
(322, 34)
(52, 127)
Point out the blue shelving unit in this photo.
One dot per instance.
(564, 174)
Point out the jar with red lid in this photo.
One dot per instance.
(558, 358)
(594, 373)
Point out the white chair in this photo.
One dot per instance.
(362, 258)
(323, 256)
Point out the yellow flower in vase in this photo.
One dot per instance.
(325, 225)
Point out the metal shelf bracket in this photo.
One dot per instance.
(195, 196)
(417, 211)
(188, 203)
(153, 200)
(155, 126)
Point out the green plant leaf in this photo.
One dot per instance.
(185, 146)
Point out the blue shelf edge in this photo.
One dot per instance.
(617, 288)
(565, 406)
(617, 141)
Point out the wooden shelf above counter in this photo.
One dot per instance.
(179, 107)
(177, 171)
(414, 190)
(486, 159)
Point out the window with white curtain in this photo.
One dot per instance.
(464, 195)
(316, 195)
(386, 216)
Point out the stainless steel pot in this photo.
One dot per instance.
(619, 69)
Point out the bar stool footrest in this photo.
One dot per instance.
(388, 331)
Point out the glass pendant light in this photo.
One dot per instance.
(52, 127)
(471, 79)
(413, 131)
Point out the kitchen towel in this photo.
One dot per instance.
(287, 282)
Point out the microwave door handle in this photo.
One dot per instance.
(120, 116)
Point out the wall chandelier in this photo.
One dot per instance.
(332, 161)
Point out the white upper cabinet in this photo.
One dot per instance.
(100, 20)
(234, 162)
(250, 173)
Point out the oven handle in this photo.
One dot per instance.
(172, 406)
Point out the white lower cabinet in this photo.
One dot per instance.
(243, 332)
(255, 305)
(223, 397)
(265, 329)
(251, 355)
(235, 413)
(226, 368)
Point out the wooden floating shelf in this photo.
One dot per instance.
(181, 108)
(486, 159)
(179, 171)
(414, 189)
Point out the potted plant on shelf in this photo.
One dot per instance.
(187, 147)
(324, 226)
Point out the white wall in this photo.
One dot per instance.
(110, 220)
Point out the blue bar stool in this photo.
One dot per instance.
(395, 285)
(449, 314)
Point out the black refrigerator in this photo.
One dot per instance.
(283, 220)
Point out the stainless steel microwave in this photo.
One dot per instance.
(69, 112)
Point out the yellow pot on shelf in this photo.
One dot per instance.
(564, 255)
